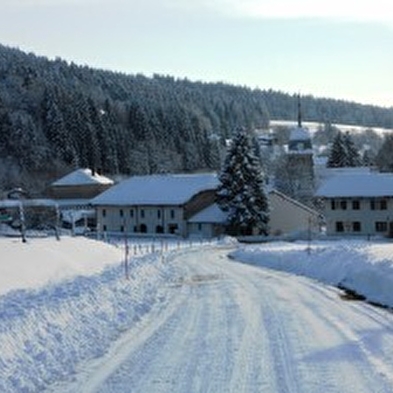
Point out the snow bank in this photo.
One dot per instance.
(64, 303)
(364, 267)
(42, 261)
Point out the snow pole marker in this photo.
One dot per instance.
(22, 222)
(57, 224)
(126, 253)
(162, 252)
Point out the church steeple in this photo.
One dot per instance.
(299, 112)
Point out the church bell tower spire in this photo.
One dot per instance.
(299, 112)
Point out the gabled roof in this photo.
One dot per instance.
(157, 190)
(82, 177)
(294, 202)
(357, 185)
(211, 214)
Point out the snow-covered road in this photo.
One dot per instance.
(223, 326)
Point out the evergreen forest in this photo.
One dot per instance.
(56, 116)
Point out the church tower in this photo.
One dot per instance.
(300, 163)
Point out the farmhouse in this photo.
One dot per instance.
(72, 194)
(358, 204)
(154, 204)
(80, 184)
(288, 215)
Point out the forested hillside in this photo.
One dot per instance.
(56, 115)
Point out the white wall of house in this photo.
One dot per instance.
(288, 216)
(201, 230)
(358, 216)
(141, 219)
(205, 230)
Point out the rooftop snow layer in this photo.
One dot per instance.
(82, 177)
(357, 185)
(299, 134)
(212, 214)
(157, 190)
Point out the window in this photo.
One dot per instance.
(339, 226)
(103, 212)
(356, 226)
(378, 204)
(199, 227)
(132, 213)
(173, 228)
(159, 229)
(158, 213)
(143, 228)
(104, 228)
(338, 204)
(121, 213)
(172, 213)
(356, 205)
(381, 226)
(121, 228)
(142, 213)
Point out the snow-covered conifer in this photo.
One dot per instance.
(338, 154)
(241, 192)
(352, 154)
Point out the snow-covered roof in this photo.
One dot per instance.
(212, 214)
(157, 189)
(299, 134)
(357, 185)
(82, 177)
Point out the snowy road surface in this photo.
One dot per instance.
(223, 326)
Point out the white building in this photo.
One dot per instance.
(358, 204)
(288, 215)
(154, 204)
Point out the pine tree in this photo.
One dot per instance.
(242, 190)
(384, 158)
(352, 154)
(344, 152)
(338, 153)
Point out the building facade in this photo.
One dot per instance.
(288, 215)
(359, 204)
(157, 204)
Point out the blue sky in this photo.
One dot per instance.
(337, 49)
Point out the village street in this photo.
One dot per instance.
(223, 326)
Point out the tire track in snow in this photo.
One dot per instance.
(269, 366)
(227, 327)
(171, 357)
